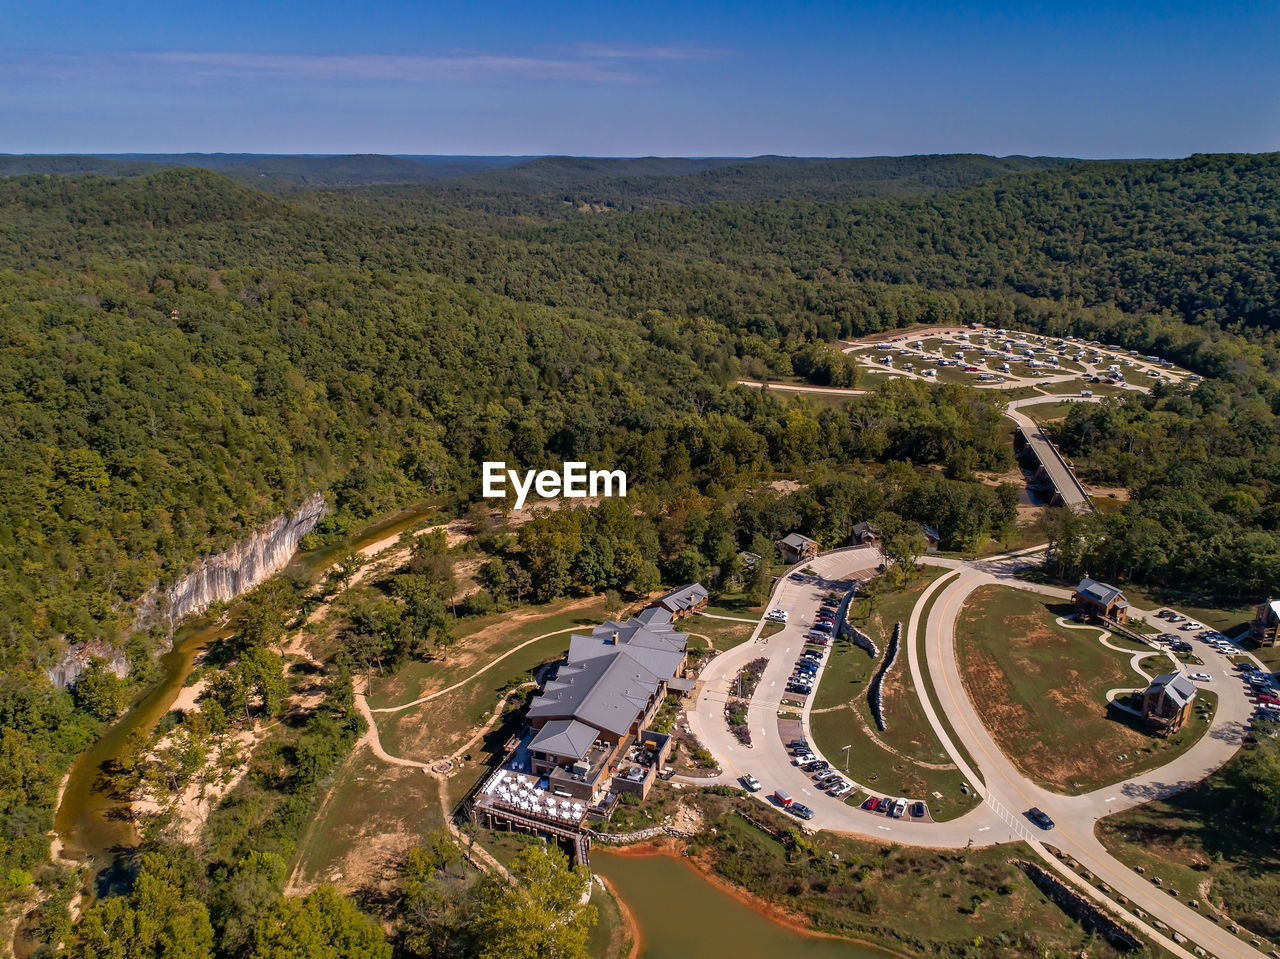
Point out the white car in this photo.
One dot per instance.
(752, 784)
(777, 615)
(1202, 677)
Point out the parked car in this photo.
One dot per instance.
(870, 803)
(899, 807)
(800, 810)
(805, 757)
(841, 788)
(777, 615)
(1202, 677)
(1039, 817)
(752, 784)
(917, 810)
(782, 798)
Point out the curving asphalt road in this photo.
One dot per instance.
(1005, 791)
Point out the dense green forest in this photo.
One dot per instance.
(183, 357)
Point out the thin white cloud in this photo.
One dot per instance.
(674, 51)
(198, 66)
(442, 68)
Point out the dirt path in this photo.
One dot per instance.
(483, 669)
(374, 743)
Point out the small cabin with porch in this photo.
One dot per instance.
(797, 548)
(1166, 703)
(1097, 600)
(1265, 628)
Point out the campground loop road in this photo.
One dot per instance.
(1005, 791)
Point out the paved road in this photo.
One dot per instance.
(767, 757)
(1076, 815)
(1006, 792)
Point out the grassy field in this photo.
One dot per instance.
(1048, 412)
(927, 676)
(735, 604)
(902, 759)
(483, 640)
(370, 816)
(915, 901)
(1194, 839)
(1076, 385)
(722, 633)
(440, 726)
(1041, 689)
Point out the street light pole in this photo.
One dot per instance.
(846, 757)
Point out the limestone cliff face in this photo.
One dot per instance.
(77, 658)
(217, 578)
(246, 564)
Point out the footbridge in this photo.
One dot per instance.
(1052, 471)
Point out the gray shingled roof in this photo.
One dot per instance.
(1099, 592)
(1176, 687)
(662, 661)
(564, 739)
(653, 616)
(796, 541)
(686, 597)
(608, 692)
(862, 528)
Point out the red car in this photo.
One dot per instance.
(1269, 700)
(870, 803)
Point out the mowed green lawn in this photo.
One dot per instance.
(723, 634)
(480, 641)
(901, 759)
(1041, 689)
(428, 731)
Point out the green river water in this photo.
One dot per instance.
(91, 822)
(681, 915)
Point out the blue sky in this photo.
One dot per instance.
(693, 78)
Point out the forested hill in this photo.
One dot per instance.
(316, 347)
(1199, 237)
(265, 171)
(557, 188)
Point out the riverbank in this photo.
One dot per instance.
(632, 928)
(93, 824)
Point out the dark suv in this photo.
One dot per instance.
(1039, 817)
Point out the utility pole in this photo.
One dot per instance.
(846, 757)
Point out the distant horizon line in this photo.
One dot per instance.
(140, 154)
